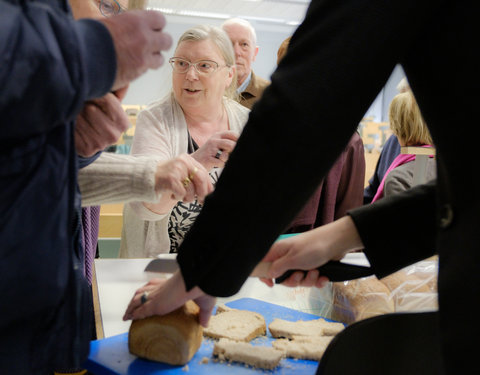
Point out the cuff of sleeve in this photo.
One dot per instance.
(144, 180)
(84, 161)
(115, 178)
(399, 230)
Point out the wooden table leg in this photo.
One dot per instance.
(96, 306)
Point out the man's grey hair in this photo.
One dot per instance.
(244, 23)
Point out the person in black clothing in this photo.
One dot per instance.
(312, 107)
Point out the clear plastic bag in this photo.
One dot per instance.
(413, 288)
(417, 290)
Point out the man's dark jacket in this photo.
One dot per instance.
(49, 66)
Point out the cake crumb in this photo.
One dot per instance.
(204, 360)
(185, 368)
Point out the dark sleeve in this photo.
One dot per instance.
(391, 149)
(44, 50)
(399, 230)
(86, 161)
(295, 133)
(352, 179)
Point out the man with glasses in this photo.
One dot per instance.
(51, 65)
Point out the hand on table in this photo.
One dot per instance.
(100, 123)
(310, 250)
(164, 296)
(214, 153)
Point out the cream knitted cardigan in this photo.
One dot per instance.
(115, 178)
(161, 132)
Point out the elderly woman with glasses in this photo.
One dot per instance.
(200, 118)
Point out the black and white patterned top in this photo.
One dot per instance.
(183, 214)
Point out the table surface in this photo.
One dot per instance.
(118, 279)
(111, 356)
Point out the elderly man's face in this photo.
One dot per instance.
(91, 8)
(245, 49)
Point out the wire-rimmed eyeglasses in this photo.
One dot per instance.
(110, 8)
(205, 67)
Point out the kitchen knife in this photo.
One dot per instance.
(334, 270)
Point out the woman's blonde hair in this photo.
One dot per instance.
(222, 41)
(407, 122)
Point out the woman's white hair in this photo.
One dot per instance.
(223, 43)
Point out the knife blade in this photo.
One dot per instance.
(334, 270)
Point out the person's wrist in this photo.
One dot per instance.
(345, 239)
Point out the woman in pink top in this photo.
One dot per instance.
(408, 125)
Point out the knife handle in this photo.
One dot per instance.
(335, 271)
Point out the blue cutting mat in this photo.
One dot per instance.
(110, 356)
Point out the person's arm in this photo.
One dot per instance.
(115, 178)
(44, 50)
(370, 228)
(100, 123)
(390, 242)
(399, 230)
(305, 118)
(153, 138)
(310, 250)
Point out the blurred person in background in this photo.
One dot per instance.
(390, 150)
(250, 87)
(409, 127)
(340, 190)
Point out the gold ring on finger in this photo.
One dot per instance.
(186, 181)
(194, 172)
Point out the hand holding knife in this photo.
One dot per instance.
(333, 270)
